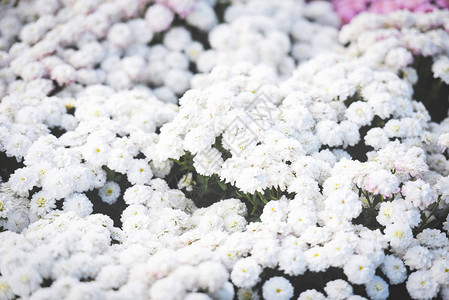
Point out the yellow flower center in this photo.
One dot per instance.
(41, 202)
(399, 234)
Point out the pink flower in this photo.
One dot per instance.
(347, 9)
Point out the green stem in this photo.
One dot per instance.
(262, 197)
(367, 199)
(424, 222)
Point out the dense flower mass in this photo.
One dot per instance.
(348, 9)
(241, 149)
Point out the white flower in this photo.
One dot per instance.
(252, 179)
(139, 172)
(311, 295)
(394, 269)
(292, 261)
(24, 280)
(418, 258)
(440, 271)
(277, 288)
(316, 259)
(120, 35)
(202, 17)
(420, 285)
(275, 211)
(399, 234)
(376, 137)
(433, 238)
(112, 276)
(315, 235)
(167, 288)
(440, 68)
(359, 269)
(159, 17)
(63, 74)
(23, 180)
(382, 182)
(419, 193)
(177, 38)
(266, 252)
(138, 194)
(247, 294)
(245, 273)
(330, 133)
(5, 289)
(360, 113)
(78, 203)
(110, 192)
(377, 288)
(212, 276)
(345, 203)
(42, 204)
(338, 289)
(58, 183)
(300, 220)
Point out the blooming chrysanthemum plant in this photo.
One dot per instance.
(211, 149)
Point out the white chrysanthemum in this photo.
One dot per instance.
(292, 261)
(376, 138)
(139, 172)
(277, 288)
(23, 180)
(377, 289)
(110, 192)
(112, 276)
(212, 276)
(421, 285)
(311, 295)
(419, 193)
(5, 289)
(167, 289)
(399, 235)
(245, 273)
(247, 294)
(266, 252)
(382, 182)
(394, 269)
(316, 259)
(79, 203)
(338, 289)
(138, 194)
(360, 113)
(159, 17)
(42, 203)
(417, 258)
(359, 269)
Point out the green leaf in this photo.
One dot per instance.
(222, 185)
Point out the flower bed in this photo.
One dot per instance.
(223, 150)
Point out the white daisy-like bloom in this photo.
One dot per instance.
(78, 203)
(377, 288)
(245, 273)
(359, 269)
(277, 288)
(421, 285)
(338, 289)
(110, 192)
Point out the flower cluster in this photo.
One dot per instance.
(111, 43)
(348, 9)
(271, 33)
(195, 149)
